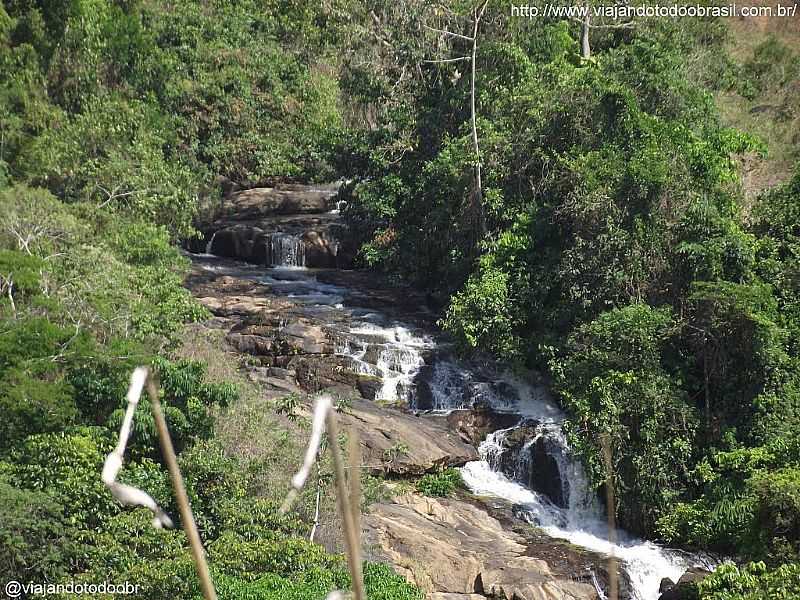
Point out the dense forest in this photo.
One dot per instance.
(634, 237)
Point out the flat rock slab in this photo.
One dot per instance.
(399, 443)
(273, 201)
(453, 550)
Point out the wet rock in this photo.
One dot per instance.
(268, 243)
(447, 546)
(533, 458)
(236, 242)
(666, 583)
(474, 425)
(544, 475)
(369, 386)
(685, 588)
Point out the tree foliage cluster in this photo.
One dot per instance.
(117, 121)
(610, 247)
(620, 257)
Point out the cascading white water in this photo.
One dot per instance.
(581, 518)
(340, 206)
(582, 521)
(393, 353)
(210, 245)
(286, 250)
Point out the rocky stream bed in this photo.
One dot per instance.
(273, 270)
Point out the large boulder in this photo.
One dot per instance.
(534, 456)
(685, 588)
(453, 549)
(474, 425)
(273, 201)
(237, 242)
(398, 443)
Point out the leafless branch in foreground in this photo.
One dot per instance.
(129, 495)
(347, 500)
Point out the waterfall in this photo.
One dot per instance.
(581, 520)
(285, 250)
(210, 244)
(530, 465)
(340, 206)
(393, 353)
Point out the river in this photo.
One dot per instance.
(528, 465)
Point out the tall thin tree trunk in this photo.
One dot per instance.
(706, 378)
(477, 192)
(586, 49)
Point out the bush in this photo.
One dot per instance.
(751, 582)
(36, 539)
(440, 484)
(380, 581)
(67, 466)
(31, 406)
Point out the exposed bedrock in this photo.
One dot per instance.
(292, 226)
(453, 549)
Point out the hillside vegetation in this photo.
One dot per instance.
(636, 238)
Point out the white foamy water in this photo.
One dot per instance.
(285, 250)
(645, 562)
(210, 245)
(395, 353)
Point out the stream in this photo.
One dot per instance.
(528, 465)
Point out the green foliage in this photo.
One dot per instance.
(113, 154)
(615, 384)
(66, 466)
(36, 538)
(33, 406)
(187, 400)
(616, 254)
(479, 315)
(751, 582)
(609, 246)
(380, 581)
(282, 556)
(748, 503)
(440, 484)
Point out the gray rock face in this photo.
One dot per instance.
(684, 589)
(474, 424)
(399, 443)
(532, 459)
(294, 225)
(283, 200)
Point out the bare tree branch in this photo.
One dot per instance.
(450, 33)
(448, 60)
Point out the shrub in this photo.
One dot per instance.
(36, 538)
(30, 406)
(751, 582)
(440, 484)
(67, 466)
